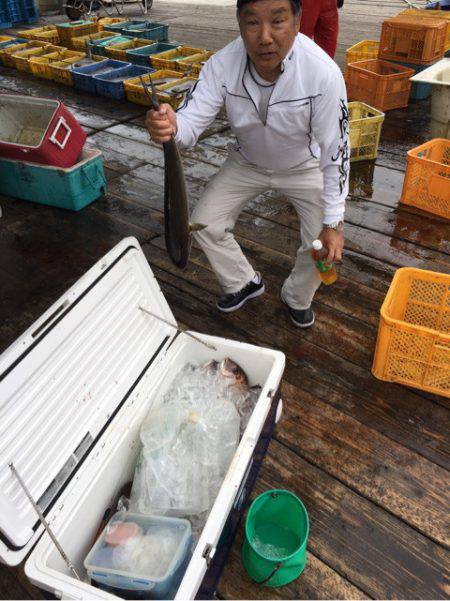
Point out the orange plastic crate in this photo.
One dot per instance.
(413, 40)
(427, 177)
(379, 83)
(67, 31)
(427, 14)
(413, 344)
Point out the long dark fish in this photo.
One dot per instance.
(177, 228)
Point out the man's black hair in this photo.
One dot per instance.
(295, 4)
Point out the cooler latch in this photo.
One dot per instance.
(208, 553)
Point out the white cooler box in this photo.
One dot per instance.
(74, 390)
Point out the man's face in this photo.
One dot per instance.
(268, 28)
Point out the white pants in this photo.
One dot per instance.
(226, 196)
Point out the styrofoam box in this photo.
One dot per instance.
(74, 390)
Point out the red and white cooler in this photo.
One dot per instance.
(39, 130)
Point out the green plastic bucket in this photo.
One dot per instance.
(276, 531)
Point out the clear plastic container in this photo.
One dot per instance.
(141, 553)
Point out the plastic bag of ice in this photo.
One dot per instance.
(187, 445)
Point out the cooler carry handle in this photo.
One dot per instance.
(61, 123)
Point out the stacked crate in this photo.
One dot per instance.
(416, 43)
(14, 12)
(411, 41)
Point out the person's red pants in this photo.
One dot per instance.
(320, 21)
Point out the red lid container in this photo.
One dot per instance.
(39, 130)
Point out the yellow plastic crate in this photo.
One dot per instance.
(413, 345)
(134, 89)
(61, 71)
(109, 21)
(365, 131)
(80, 43)
(169, 59)
(195, 66)
(427, 14)
(47, 33)
(119, 51)
(427, 178)
(21, 58)
(173, 98)
(362, 51)
(7, 54)
(40, 65)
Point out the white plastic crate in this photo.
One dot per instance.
(74, 390)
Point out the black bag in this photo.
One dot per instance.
(340, 3)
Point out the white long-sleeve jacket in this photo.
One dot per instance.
(307, 114)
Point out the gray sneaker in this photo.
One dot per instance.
(232, 302)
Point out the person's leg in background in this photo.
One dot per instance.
(327, 28)
(309, 17)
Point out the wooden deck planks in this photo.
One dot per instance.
(356, 537)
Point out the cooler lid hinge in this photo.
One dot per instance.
(208, 553)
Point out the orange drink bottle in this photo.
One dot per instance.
(326, 269)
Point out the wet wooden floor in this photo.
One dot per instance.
(369, 459)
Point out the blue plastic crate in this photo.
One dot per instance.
(111, 84)
(419, 91)
(12, 42)
(140, 56)
(98, 47)
(83, 77)
(72, 188)
(5, 23)
(21, 11)
(14, 11)
(117, 27)
(158, 32)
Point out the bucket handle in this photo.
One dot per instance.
(272, 573)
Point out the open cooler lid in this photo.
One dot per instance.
(64, 379)
(439, 73)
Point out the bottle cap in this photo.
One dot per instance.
(317, 245)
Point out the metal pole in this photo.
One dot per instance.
(44, 521)
(182, 330)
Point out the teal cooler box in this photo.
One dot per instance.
(67, 188)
